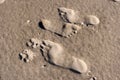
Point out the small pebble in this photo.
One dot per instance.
(82, 23)
(28, 21)
(2, 1)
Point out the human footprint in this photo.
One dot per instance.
(34, 43)
(27, 55)
(67, 30)
(55, 54)
(47, 25)
(70, 29)
(49, 49)
(68, 15)
(91, 20)
(78, 65)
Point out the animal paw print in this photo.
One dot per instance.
(27, 55)
(34, 43)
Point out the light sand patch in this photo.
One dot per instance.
(2, 1)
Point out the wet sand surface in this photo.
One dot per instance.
(98, 46)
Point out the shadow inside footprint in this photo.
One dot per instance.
(43, 54)
(58, 34)
(20, 57)
(74, 71)
(40, 25)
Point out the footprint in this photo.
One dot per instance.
(78, 65)
(47, 25)
(34, 43)
(70, 29)
(68, 15)
(27, 55)
(91, 20)
(55, 54)
(49, 49)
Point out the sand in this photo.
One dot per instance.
(98, 46)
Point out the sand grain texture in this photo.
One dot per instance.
(100, 47)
